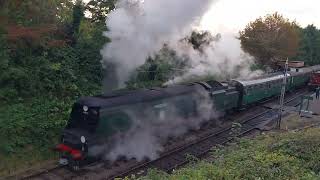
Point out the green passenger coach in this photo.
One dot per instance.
(256, 90)
(300, 77)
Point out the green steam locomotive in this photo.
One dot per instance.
(97, 120)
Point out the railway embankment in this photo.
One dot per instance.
(291, 153)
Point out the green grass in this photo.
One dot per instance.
(276, 156)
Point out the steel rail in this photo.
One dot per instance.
(145, 165)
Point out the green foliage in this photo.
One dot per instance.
(235, 131)
(78, 14)
(198, 40)
(99, 9)
(57, 71)
(306, 148)
(43, 70)
(30, 129)
(4, 58)
(164, 66)
(279, 156)
(270, 39)
(36, 123)
(309, 51)
(167, 64)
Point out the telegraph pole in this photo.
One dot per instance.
(283, 92)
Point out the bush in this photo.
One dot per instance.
(37, 123)
(29, 130)
(284, 156)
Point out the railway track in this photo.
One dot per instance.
(199, 148)
(174, 158)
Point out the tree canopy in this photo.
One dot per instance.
(309, 50)
(48, 47)
(270, 39)
(99, 9)
(167, 64)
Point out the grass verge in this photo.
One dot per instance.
(293, 155)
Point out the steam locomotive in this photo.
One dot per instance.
(96, 120)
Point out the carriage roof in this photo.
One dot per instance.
(260, 80)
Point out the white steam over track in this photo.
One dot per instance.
(139, 28)
(149, 129)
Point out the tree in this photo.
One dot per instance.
(309, 51)
(35, 12)
(78, 15)
(99, 9)
(36, 56)
(164, 65)
(200, 39)
(34, 22)
(167, 63)
(4, 60)
(270, 39)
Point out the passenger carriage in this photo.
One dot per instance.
(259, 89)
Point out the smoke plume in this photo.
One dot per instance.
(139, 28)
(222, 59)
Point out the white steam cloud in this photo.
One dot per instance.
(139, 28)
(150, 128)
(223, 58)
